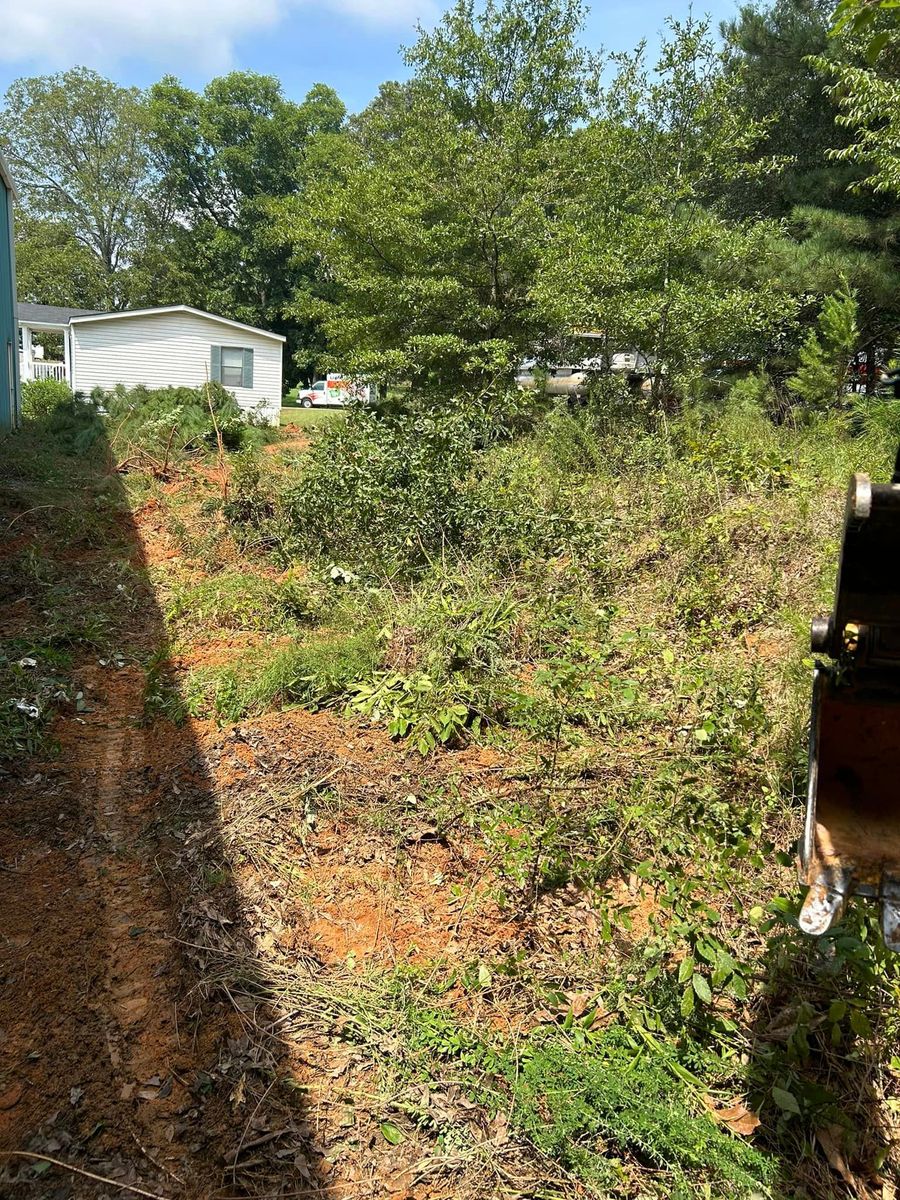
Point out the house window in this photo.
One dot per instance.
(232, 366)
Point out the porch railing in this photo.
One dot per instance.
(49, 370)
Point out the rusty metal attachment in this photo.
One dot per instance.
(851, 840)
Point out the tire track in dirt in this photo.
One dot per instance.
(87, 1015)
(136, 1004)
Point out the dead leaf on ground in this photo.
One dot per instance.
(830, 1138)
(498, 1130)
(237, 1096)
(737, 1116)
(579, 1002)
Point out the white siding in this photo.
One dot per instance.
(171, 350)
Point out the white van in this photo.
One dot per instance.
(334, 391)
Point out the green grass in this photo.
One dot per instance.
(66, 563)
(243, 600)
(315, 672)
(309, 418)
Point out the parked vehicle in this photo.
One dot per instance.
(333, 392)
(572, 381)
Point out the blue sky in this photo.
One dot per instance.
(353, 45)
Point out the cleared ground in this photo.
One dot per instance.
(257, 946)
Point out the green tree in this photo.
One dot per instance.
(226, 157)
(443, 195)
(832, 230)
(643, 248)
(78, 150)
(771, 48)
(821, 375)
(819, 249)
(54, 267)
(868, 95)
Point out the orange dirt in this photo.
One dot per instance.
(148, 872)
(164, 888)
(293, 440)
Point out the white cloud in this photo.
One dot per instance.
(199, 34)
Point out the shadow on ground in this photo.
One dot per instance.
(121, 1056)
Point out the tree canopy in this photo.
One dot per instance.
(516, 190)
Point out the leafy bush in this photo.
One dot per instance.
(41, 396)
(385, 488)
(739, 443)
(521, 507)
(251, 505)
(414, 707)
(753, 394)
(397, 492)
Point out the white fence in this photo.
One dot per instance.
(49, 370)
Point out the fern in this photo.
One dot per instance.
(587, 1105)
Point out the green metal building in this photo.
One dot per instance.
(9, 331)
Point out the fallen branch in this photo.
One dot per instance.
(126, 1187)
(28, 512)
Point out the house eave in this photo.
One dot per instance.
(7, 178)
(43, 326)
(178, 308)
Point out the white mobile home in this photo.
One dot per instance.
(176, 346)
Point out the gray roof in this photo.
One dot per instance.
(51, 314)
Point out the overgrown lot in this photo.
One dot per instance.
(506, 716)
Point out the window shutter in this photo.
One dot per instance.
(247, 380)
(215, 364)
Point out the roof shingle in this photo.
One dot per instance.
(52, 314)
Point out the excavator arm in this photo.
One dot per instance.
(851, 839)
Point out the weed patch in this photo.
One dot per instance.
(243, 600)
(591, 1103)
(318, 672)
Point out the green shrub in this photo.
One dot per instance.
(251, 504)
(522, 508)
(385, 489)
(398, 492)
(738, 444)
(41, 396)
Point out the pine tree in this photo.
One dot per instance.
(820, 377)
